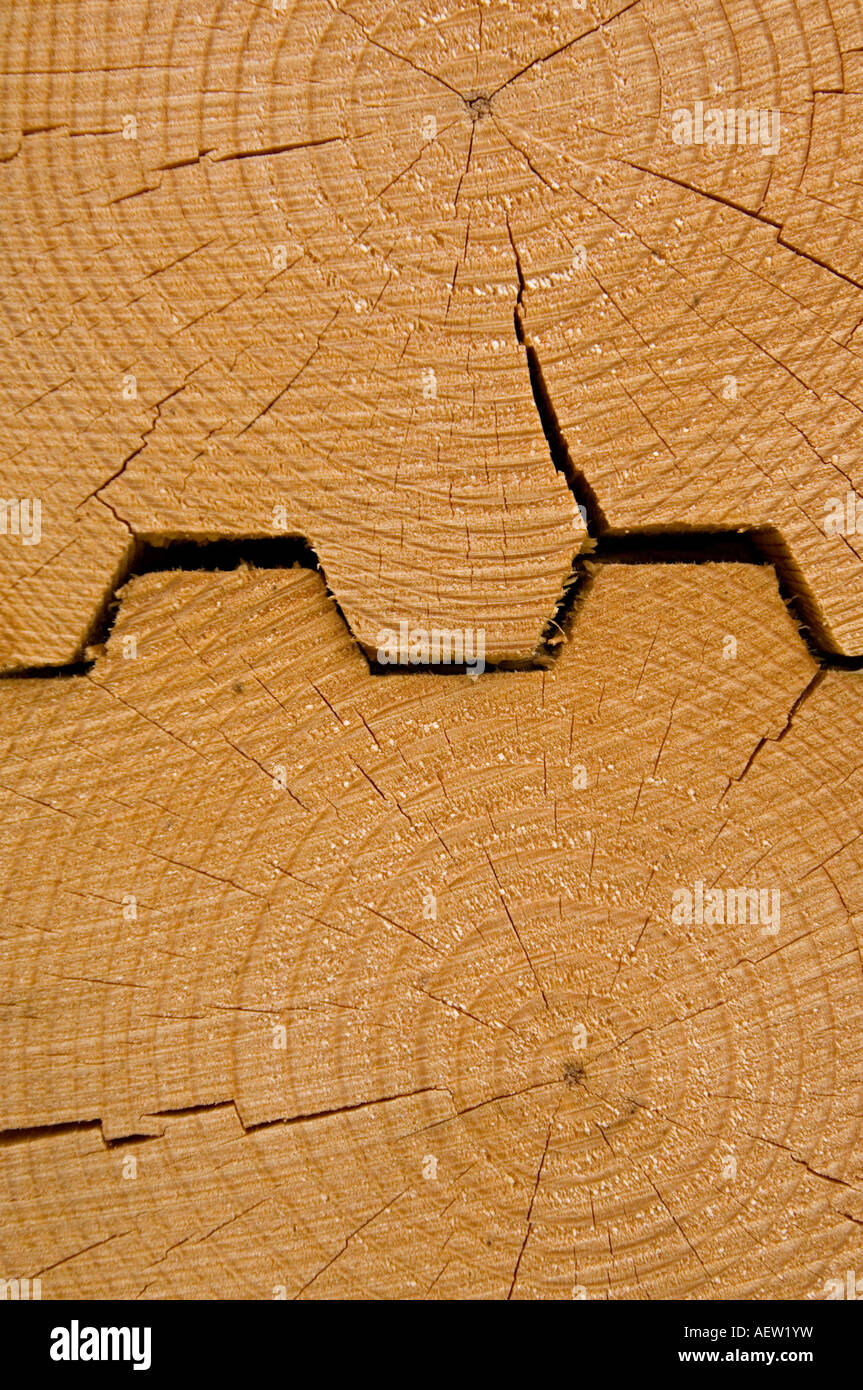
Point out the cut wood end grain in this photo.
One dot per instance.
(390, 979)
(316, 982)
(302, 273)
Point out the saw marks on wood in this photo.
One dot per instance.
(262, 269)
(383, 982)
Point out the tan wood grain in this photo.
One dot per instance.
(441, 1042)
(320, 982)
(309, 257)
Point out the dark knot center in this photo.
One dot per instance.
(479, 107)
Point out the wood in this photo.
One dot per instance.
(321, 982)
(290, 266)
(411, 1037)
